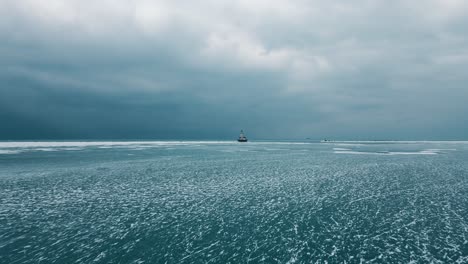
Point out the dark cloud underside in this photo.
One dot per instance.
(203, 70)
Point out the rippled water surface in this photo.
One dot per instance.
(226, 202)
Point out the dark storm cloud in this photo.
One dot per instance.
(279, 69)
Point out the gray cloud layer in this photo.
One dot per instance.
(204, 69)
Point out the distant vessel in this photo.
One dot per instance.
(242, 137)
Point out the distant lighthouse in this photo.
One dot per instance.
(242, 137)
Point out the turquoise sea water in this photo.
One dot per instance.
(229, 202)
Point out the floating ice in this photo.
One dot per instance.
(205, 202)
(7, 151)
(422, 152)
(341, 149)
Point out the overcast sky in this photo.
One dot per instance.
(123, 69)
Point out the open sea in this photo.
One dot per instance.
(229, 202)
